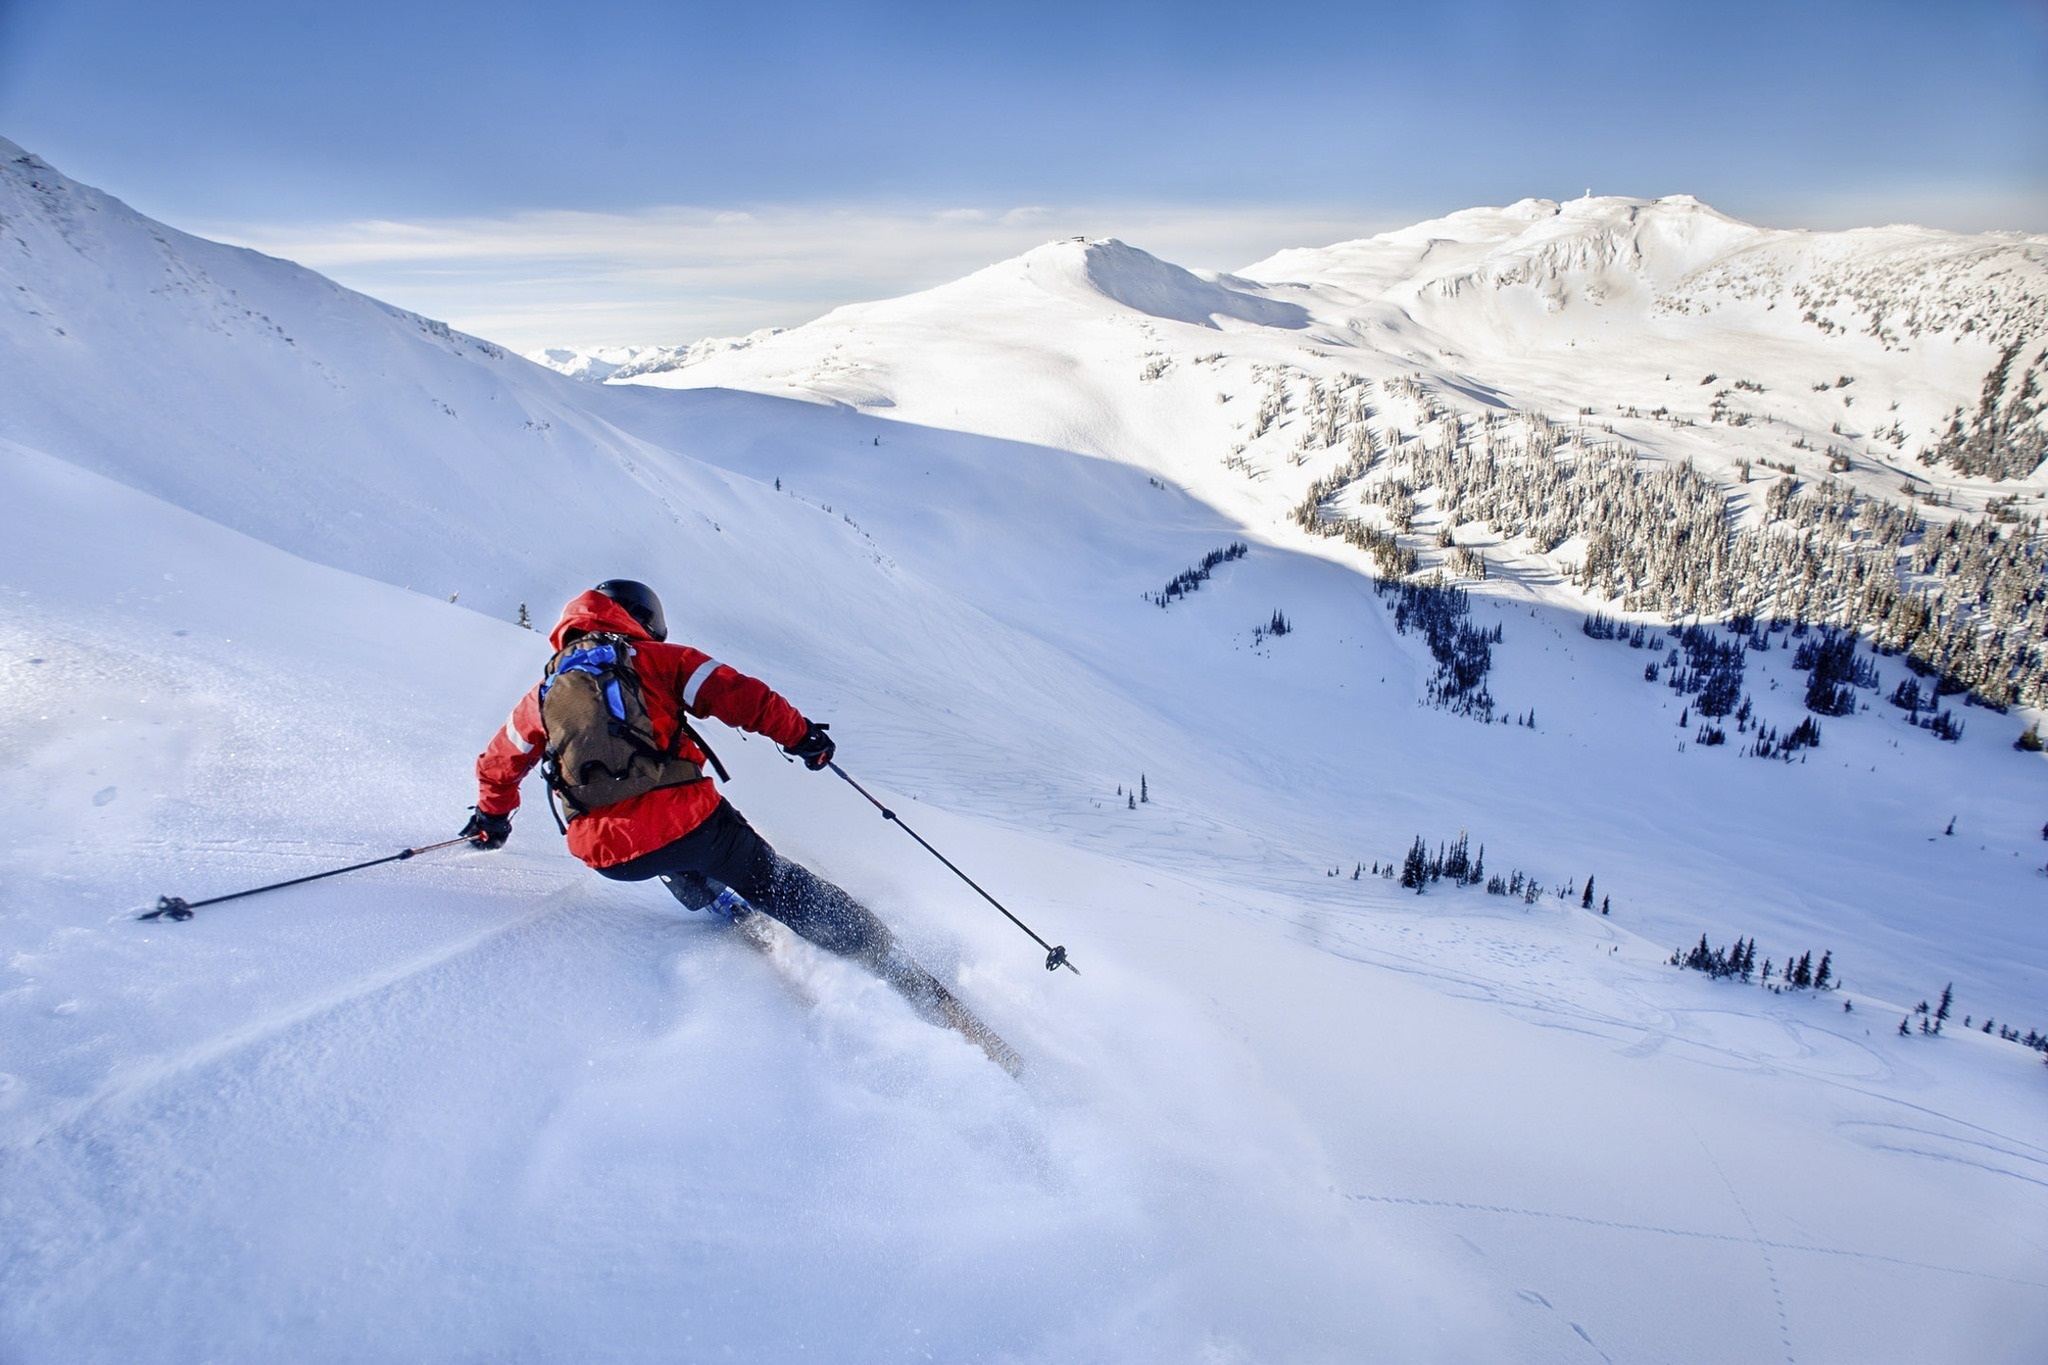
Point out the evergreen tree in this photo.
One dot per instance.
(1701, 958)
(1455, 862)
(1144, 788)
(1822, 972)
(1586, 901)
(1662, 541)
(1948, 995)
(1133, 801)
(1904, 1030)
(1603, 909)
(525, 621)
(1802, 974)
(1415, 867)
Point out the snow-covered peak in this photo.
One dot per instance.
(1527, 241)
(596, 364)
(243, 386)
(1677, 255)
(107, 247)
(1135, 279)
(606, 364)
(1095, 277)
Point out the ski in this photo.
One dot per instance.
(939, 1005)
(927, 995)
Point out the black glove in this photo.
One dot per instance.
(487, 831)
(815, 748)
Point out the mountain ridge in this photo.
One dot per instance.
(1692, 250)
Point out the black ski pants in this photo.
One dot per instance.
(725, 851)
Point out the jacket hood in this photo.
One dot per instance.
(592, 613)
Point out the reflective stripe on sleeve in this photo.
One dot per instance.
(698, 679)
(512, 735)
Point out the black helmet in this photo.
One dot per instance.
(640, 603)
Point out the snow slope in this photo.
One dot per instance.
(491, 1106)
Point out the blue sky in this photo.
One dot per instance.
(452, 156)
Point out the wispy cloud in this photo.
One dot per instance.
(670, 275)
(676, 274)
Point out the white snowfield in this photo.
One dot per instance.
(492, 1107)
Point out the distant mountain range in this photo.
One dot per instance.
(1677, 413)
(1560, 307)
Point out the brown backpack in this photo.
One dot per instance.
(601, 745)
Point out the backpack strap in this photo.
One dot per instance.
(683, 727)
(554, 807)
(684, 730)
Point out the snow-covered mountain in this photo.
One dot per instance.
(490, 1105)
(1634, 289)
(601, 364)
(1781, 380)
(1605, 304)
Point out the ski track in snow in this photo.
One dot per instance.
(136, 1079)
(1763, 1248)
(1411, 1201)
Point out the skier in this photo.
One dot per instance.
(672, 823)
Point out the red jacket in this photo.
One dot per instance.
(672, 677)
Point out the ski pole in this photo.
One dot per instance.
(1055, 957)
(176, 907)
